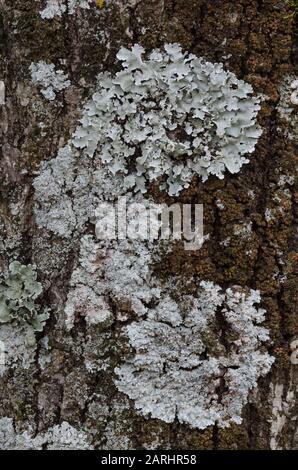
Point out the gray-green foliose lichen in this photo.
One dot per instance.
(20, 316)
(18, 293)
(167, 116)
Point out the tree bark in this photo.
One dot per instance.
(256, 40)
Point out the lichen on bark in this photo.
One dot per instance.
(251, 219)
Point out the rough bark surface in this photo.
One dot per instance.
(255, 39)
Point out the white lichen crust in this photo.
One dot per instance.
(117, 271)
(197, 359)
(66, 437)
(20, 316)
(172, 114)
(49, 79)
(17, 347)
(59, 7)
(168, 117)
(288, 105)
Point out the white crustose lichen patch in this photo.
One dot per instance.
(50, 80)
(198, 359)
(288, 105)
(58, 7)
(117, 270)
(18, 292)
(66, 437)
(169, 116)
(294, 349)
(53, 8)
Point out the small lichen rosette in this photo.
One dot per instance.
(197, 360)
(18, 292)
(170, 115)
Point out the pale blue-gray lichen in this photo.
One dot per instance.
(183, 368)
(50, 80)
(288, 106)
(20, 316)
(167, 116)
(59, 7)
(174, 115)
(60, 437)
(18, 293)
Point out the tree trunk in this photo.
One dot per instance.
(250, 228)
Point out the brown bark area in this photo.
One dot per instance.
(258, 41)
